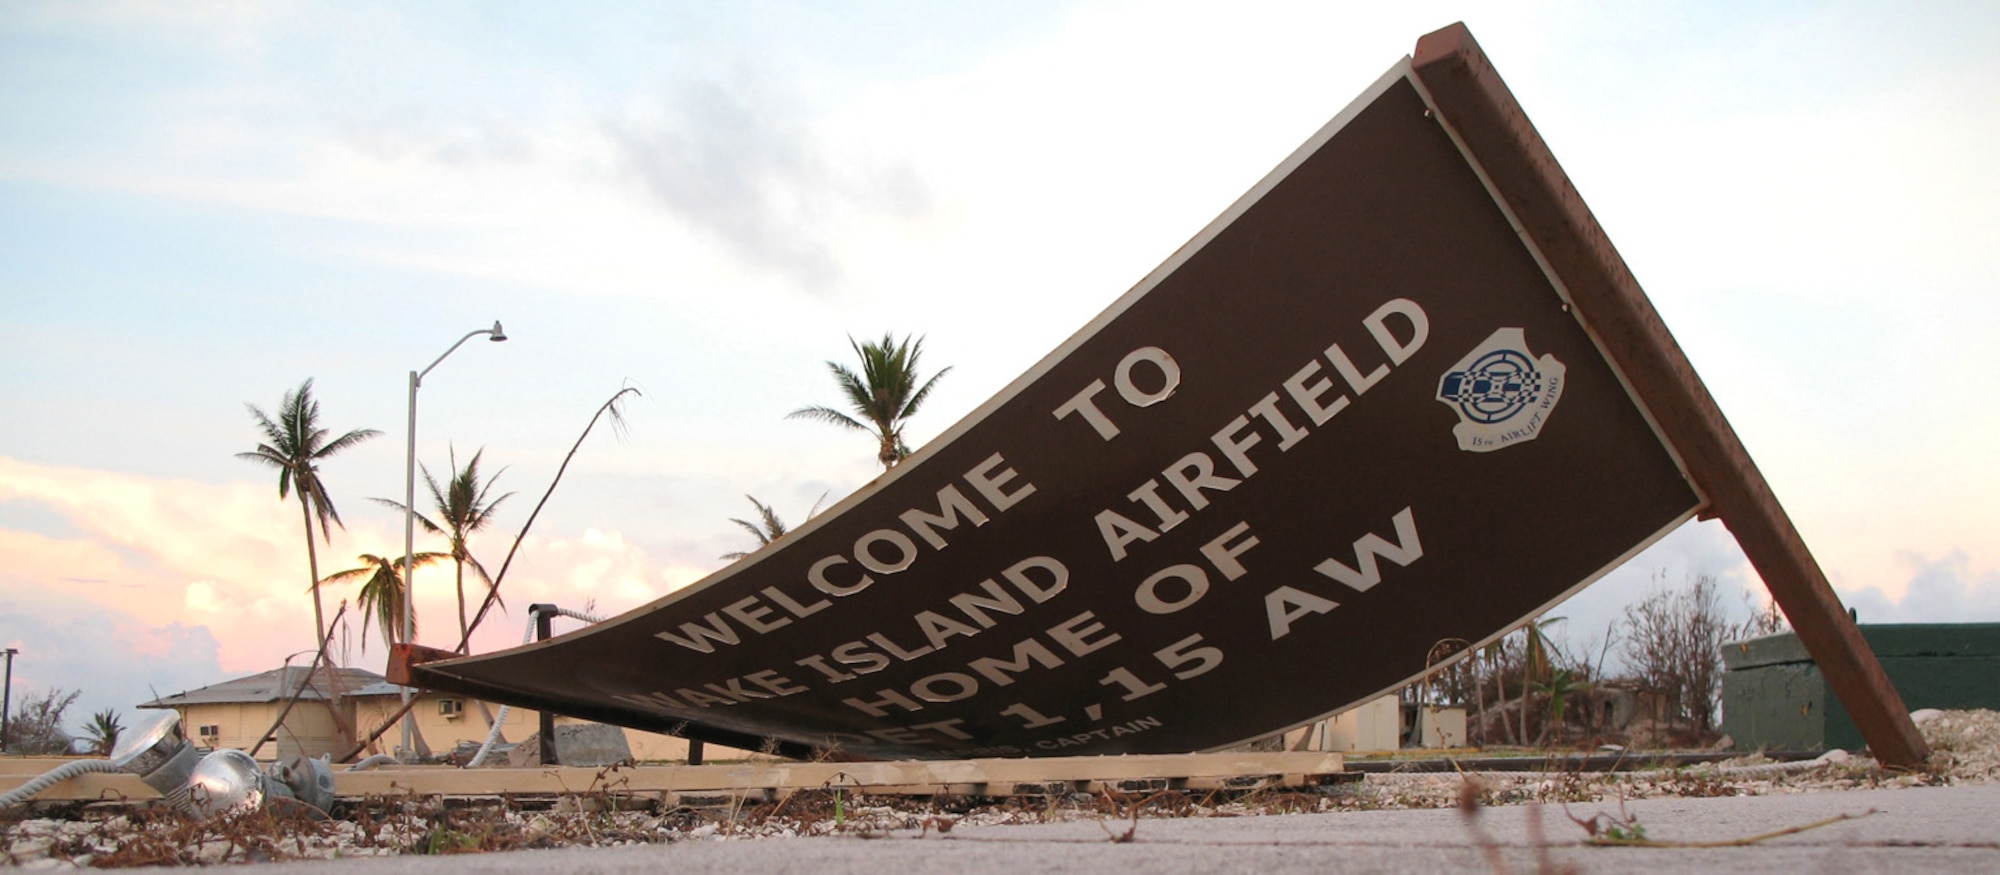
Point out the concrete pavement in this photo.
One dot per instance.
(1939, 829)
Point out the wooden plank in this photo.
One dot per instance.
(1482, 112)
(917, 777)
(879, 776)
(15, 771)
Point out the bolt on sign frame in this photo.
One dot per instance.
(1404, 392)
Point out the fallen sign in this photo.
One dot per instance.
(1403, 392)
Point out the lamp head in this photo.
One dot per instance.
(158, 752)
(225, 781)
(497, 334)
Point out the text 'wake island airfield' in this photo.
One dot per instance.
(1365, 411)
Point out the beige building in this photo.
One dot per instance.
(326, 720)
(241, 712)
(445, 720)
(1382, 725)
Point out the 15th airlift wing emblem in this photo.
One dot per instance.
(1502, 393)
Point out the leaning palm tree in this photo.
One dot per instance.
(295, 444)
(464, 506)
(767, 527)
(883, 396)
(382, 592)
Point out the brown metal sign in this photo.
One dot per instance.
(1353, 418)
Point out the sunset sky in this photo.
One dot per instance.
(204, 203)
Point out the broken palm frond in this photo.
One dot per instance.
(610, 406)
(1633, 835)
(319, 656)
(382, 730)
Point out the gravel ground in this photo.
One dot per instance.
(1965, 749)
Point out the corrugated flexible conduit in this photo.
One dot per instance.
(380, 759)
(56, 776)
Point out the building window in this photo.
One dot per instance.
(211, 731)
(451, 707)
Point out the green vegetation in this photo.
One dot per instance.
(382, 593)
(464, 506)
(1529, 688)
(295, 444)
(103, 731)
(35, 727)
(766, 528)
(883, 396)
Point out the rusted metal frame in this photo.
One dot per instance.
(1482, 112)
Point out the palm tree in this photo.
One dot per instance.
(884, 395)
(1536, 663)
(767, 528)
(1486, 662)
(1559, 687)
(382, 592)
(295, 444)
(104, 730)
(463, 507)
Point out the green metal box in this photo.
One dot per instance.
(1774, 698)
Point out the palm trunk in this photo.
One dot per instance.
(1479, 694)
(1527, 677)
(312, 565)
(1524, 715)
(458, 559)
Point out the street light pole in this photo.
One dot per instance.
(495, 334)
(7, 697)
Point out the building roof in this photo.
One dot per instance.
(272, 686)
(383, 688)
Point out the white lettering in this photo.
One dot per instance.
(1170, 374)
(1285, 605)
(1367, 573)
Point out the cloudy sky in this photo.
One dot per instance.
(203, 204)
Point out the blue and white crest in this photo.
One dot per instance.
(1502, 393)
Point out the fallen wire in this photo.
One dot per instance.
(1610, 841)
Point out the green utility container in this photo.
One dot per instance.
(1773, 697)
